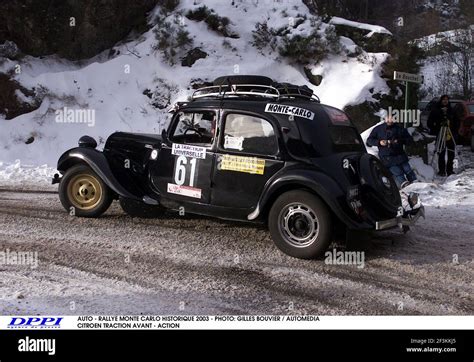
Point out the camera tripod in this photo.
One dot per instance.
(440, 145)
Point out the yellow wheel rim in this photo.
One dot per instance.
(84, 191)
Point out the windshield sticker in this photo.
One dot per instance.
(233, 143)
(184, 191)
(289, 110)
(188, 151)
(252, 165)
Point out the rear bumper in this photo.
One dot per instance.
(401, 221)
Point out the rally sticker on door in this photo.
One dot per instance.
(251, 165)
(184, 190)
(234, 143)
(188, 151)
(289, 110)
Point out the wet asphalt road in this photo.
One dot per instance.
(193, 265)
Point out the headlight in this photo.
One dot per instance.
(413, 199)
(154, 154)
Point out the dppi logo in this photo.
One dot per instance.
(35, 322)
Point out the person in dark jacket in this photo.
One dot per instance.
(390, 137)
(444, 115)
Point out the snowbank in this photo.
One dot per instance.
(114, 86)
(18, 174)
(455, 191)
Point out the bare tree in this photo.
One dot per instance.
(463, 60)
(454, 68)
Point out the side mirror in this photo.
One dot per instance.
(165, 138)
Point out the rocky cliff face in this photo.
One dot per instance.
(70, 28)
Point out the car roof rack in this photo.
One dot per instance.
(236, 90)
(247, 91)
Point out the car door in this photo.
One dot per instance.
(182, 170)
(247, 156)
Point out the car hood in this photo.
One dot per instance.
(125, 140)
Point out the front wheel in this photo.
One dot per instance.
(83, 193)
(300, 224)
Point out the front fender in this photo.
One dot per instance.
(321, 184)
(98, 163)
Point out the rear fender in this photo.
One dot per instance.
(320, 184)
(98, 163)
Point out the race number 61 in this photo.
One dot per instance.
(183, 168)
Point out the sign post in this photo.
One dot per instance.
(407, 78)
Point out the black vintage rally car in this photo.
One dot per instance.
(244, 148)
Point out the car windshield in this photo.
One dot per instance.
(471, 108)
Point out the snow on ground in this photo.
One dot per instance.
(424, 172)
(113, 87)
(456, 191)
(24, 175)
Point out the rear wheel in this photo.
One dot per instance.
(300, 224)
(83, 193)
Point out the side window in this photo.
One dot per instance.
(195, 128)
(249, 134)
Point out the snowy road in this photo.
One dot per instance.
(117, 264)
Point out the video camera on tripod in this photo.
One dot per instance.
(445, 135)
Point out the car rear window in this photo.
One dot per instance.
(337, 117)
(345, 139)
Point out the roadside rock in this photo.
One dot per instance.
(15, 99)
(192, 57)
(72, 29)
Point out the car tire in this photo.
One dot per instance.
(139, 209)
(83, 193)
(243, 79)
(300, 224)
